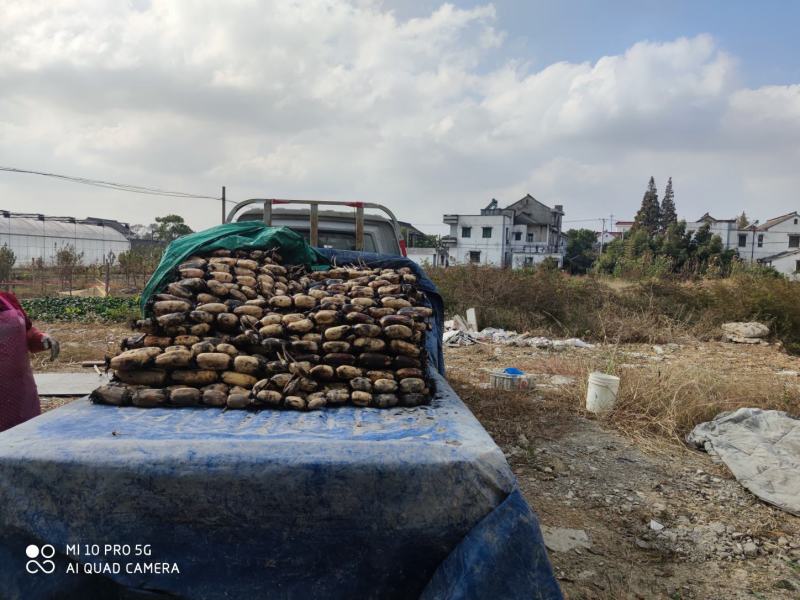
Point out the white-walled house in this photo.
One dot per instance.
(787, 262)
(726, 229)
(623, 227)
(776, 236)
(606, 237)
(522, 234)
(427, 257)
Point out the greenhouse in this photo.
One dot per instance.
(32, 237)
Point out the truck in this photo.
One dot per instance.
(101, 501)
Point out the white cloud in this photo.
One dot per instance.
(343, 100)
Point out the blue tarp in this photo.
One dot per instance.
(339, 503)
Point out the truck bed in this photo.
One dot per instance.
(340, 503)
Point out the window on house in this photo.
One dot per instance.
(475, 257)
(760, 240)
(487, 232)
(517, 236)
(528, 261)
(796, 266)
(742, 240)
(529, 238)
(466, 232)
(795, 221)
(794, 241)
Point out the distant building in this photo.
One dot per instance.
(726, 229)
(410, 234)
(522, 234)
(623, 226)
(787, 262)
(775, 243)
(39, 237)
(606, 237)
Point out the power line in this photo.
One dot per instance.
(121, 187)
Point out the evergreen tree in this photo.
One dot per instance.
(675, 244)
(580, 250)
(742, 222)
(668, 214)
(169, 228)
(649, 216)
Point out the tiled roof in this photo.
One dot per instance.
(772, 222)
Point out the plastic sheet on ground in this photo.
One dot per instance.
(456, 337)
(762, 450)
(459, 337)
(339, 503)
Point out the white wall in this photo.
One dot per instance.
(776, 239)
(425, 257)
(786, 265)
(491, 249)
(520, 260)
(727, 232)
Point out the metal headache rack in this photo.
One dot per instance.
(313, 215)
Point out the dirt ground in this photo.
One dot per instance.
(660, 520)
(79, 342)
(717, 542)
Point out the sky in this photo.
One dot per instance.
(426, 107)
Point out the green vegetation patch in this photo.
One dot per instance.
(77, 309)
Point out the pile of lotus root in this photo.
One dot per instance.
(238, 329)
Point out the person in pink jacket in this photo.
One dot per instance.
(19, 400)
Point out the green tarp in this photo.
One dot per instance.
(247, 235)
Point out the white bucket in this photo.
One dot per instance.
(602, 392)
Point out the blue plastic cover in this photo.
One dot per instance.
(339, 503)
(513, 371)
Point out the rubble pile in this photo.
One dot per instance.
(238, 329)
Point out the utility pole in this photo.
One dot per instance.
(603, 236)
(223, 204)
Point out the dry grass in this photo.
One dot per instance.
(507, 415)
(79, 342)
(670, 400)
(655, 311)
(657, 400)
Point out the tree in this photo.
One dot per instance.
(138, 264)
(742, 222)
(675, 244)
(169, 228)
(143, 232)
(68, 259)
(580, 250)
(7, 260)
(428, 241)
(668, 214)
(649, 216)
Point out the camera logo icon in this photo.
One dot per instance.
(34, 552)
